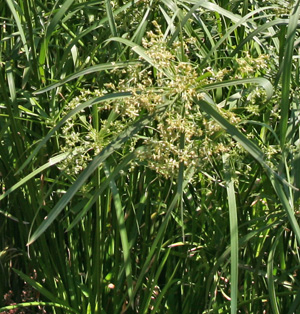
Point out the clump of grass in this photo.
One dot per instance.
(151, 164)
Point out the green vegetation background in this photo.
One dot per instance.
(150, 156)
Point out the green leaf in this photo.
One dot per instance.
(264, 83)
(287, 71)
(49, 32)
(123, 233)
(52, 161)
(234, 243)
(270, 276)
(14, 8)
(92, 69)
(43, 290)
(5, 309)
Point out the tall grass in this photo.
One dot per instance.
(149, 156)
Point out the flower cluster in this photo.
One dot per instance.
(249, 66)
(178, 134)
(80, 139)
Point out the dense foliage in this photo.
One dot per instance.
(150, 156)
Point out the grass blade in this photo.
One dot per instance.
(41, 289)
(51, 162)
(92, 69)
(264, 83)
(8, 309)
(123, 234)
(233, 233)
(49, 32)
(287, 71)
(12, 7)
(270, 276)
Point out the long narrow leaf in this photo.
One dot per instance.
(123, 233)
(49, 32)
(264, 83)
(233, 233)
(270, 276)
(286, 75)
(41, 289)
(57, 17)
(52, 161)
(5, 309)
(92, 69)
(12, 6)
